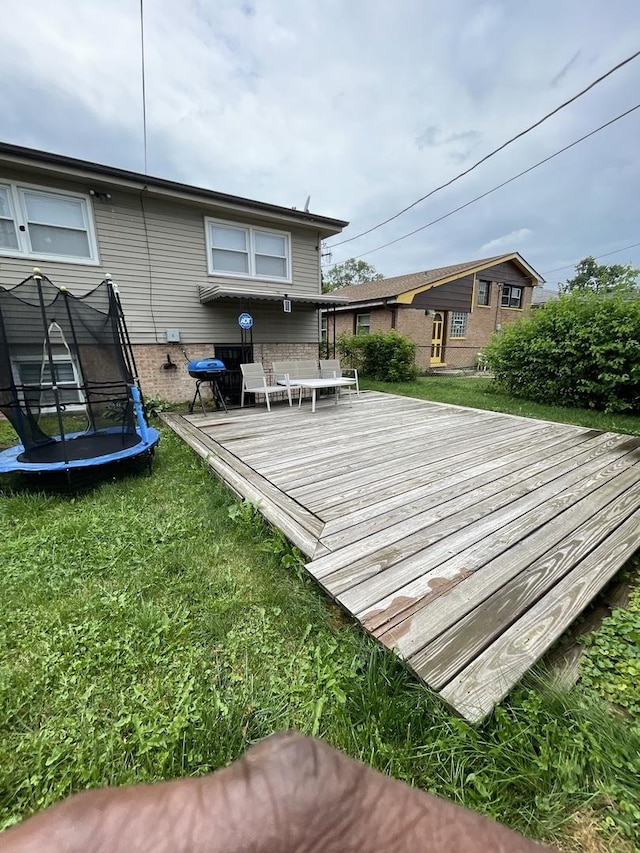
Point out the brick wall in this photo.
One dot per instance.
(415, 324)
(481, 323)
(268, 353)
(176, 386)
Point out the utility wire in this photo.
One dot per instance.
(503, 184)
(595, 258)
(491, 153)
(144, 91)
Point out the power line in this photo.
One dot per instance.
(503, 184)
(144, 92)
(596, 258)
(492, 153)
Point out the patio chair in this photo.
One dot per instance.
(254, 381)
(330, 369)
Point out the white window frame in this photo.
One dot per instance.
(21, 223)
(507, 290)
(324, 328)
(366, 325)
(60, 358)
(251, 231)
(458, 325)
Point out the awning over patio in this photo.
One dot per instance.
(210, 293)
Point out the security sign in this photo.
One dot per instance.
(245, 321)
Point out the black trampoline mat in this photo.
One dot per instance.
(82, 447)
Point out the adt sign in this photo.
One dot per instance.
(245, 321)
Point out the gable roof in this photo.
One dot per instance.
(390, 288)
(19, 156)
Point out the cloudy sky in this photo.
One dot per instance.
(365, 105)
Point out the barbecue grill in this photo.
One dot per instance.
(207, 370)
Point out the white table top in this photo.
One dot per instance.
(320, 383)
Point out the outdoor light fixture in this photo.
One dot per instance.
(100, 195)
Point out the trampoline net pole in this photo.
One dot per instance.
(49, 351)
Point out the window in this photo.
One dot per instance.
(239, 250)
(8, 230)
(324, 328)
(35, 377)
(458, 324)
(40, 223)
(363, 324)
(484, 293)
(511, 296)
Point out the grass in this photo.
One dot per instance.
(478, 393)
(155, 627)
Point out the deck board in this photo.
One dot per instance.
(449, 533)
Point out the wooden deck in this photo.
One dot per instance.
(465, 540)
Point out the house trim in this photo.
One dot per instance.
(70, 167)
(210, 293)
(406, 298)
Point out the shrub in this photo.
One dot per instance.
(387, 356)
(580, 350)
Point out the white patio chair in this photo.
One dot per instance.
(254, 381)
(330, 369)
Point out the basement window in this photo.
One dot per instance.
(458, 324)
(363, 324)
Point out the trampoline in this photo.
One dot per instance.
(68, 383)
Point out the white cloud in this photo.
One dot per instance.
(510, 242)
(365, 105)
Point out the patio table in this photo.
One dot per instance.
(314, 384)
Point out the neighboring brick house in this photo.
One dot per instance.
(187, 261)
(449, 312)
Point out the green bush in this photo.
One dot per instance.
(386, 356)
(580, 350)
(611, 665)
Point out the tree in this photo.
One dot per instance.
(349, 272)
(602, 278)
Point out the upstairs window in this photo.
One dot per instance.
(483, 296)
(246, 252)
(39, 223)
(511, 296)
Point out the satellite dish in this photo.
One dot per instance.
(306, 204)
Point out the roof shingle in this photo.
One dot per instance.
(387, 288)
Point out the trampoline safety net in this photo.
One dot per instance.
(66, 370)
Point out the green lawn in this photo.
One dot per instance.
(478, 393)
(154, 628)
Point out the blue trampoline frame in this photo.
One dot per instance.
(9, 463)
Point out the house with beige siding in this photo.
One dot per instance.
(449, 312)
(187, 261)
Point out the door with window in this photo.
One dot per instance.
(437, 338)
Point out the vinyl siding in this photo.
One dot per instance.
(156, 252)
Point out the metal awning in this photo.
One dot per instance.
(211, 292)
